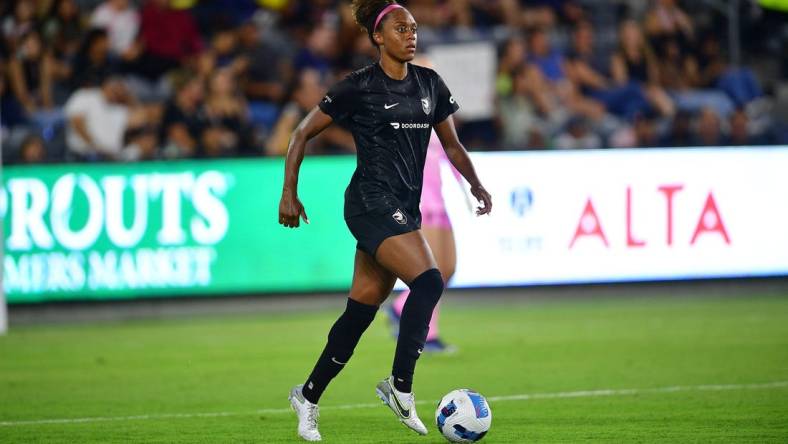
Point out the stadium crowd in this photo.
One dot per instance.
(123, 80)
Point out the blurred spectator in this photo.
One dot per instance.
(11, 112)
(141, 144)
(584, 49)
(98, 119)
(30, 75)
(541, 54)
(714, 72)
(740, 132)
(635, 62)
(588, 70)
(122, 22)
(20, 23)
(320, 50)
(184, 119)
(552, 65)
(667, 21)
(63, 33)
(263, 74)
(518, 112)
(511, 57)
(32, 150)
(678, 69)
(169, 37)
(709, 131)
(578, 135)
(221, 53)
(642, 133)
(227, 118)
(224, 48)
(308, 93)
(63, 29)
(92, 64)
(264, 70)
(680, 133)
(679, 76)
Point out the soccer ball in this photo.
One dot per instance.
(463, 416)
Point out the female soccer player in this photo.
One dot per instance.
(390, 107)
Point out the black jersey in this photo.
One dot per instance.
(391, 122)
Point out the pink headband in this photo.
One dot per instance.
(385, 11)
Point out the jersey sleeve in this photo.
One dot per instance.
(446, 105)
(339, 101)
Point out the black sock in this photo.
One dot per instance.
(425, 291)
(342, 340)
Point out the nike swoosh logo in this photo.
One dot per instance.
(402, 411)
(421, 350)
(390, 106)
(337, 362)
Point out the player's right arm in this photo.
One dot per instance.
(290, 207)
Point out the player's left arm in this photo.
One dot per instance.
(458, 156)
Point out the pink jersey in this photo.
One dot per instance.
(432, 205)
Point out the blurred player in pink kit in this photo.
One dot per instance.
(436, 226)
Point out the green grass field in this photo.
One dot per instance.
(701, 370)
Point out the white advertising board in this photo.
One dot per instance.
(624, 215)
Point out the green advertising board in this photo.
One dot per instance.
(119, 231)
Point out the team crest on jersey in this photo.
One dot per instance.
(425, 105)
(400, 217)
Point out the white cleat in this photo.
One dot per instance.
(402, 404)
(307, 414)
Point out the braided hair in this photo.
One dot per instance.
(365, 12)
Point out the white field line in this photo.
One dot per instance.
(523, 397)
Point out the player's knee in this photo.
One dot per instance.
(447, 272)
(428, 284)
(369, 295)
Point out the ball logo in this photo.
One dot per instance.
(451, 100)
(425, 105)
(400, 217)
(479, 405)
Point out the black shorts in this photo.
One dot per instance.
(371, 229)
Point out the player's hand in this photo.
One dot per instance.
(484, 198)
(291, 211)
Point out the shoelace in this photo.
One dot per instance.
(311, 417)
(411, 400)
